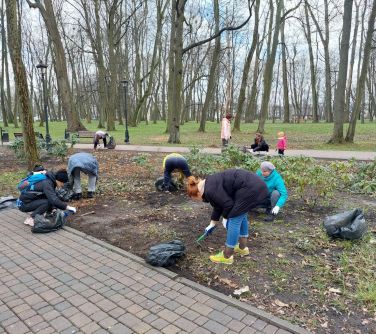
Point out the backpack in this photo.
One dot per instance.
(28, 183)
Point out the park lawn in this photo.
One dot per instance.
(300, 136)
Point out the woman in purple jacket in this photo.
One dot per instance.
(232, 194)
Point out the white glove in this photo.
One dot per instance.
(71, 208)
(209, 229)
(275, 210)
(224, 223)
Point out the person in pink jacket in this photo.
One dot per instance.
(281, 143)
(226, 130)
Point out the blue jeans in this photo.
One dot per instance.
(237, 227)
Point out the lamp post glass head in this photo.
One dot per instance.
(125, 83)
(42, 67)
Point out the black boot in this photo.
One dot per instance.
(90, 194)
(77, 196)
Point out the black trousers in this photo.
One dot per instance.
(38, 207)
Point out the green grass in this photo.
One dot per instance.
(300, 136)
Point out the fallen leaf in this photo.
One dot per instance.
(280, 255)
(244, 289)
(228, 282)
(280, 304)
(324, 325)
(334, 290)
(365, 322)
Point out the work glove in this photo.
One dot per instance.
(275, 210)
(210, 228)
(224, 223)
(71, 208)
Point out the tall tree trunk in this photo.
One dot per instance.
(213, 73)
(268, 72)
(363, 75)
(247, 65)
(339, 98)
(346, 113)
(315, 117)
(20, 78)
(64, 89)
(286, 102)
(176, 70)
(3, 58)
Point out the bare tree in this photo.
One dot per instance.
(363, 75)
(325, 42)
(20, 78)
(339, 98)
(247, 65)
(47, 12)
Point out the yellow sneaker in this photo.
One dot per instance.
(242, 252)
(219, 258)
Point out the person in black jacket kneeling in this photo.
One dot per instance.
(232, 194)
(43, 197)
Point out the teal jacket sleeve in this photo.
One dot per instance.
(280, 186)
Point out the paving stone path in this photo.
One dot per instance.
(69, 282)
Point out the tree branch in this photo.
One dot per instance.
(193, 45)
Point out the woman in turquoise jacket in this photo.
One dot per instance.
(277, 190)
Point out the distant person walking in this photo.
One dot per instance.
(226, 130)
(281, 143)
(100, 135)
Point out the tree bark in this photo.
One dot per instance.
(363, 75)
(268, 72)
(315, 117)
(286, 101)
(64, 89)
(247, 65)
(20, 78)
(339, 98)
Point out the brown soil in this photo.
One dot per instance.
(281, 271)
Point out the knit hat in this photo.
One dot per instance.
(38, 168)
(62, 176)
(266, 165)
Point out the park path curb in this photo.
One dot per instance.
(280, 323)
(316, 154)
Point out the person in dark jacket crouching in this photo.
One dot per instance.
(232, 194)
(43, 197)
(88, 164)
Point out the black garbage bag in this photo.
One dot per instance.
(350, 225)
(111, 144)
(8, 202)
(160, 187)
(65, 193)
(50, 223)
(166, 254)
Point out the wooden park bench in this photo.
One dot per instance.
(85, 134)
(20, 135)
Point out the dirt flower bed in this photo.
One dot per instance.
(294, 271)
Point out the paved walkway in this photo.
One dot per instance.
(68, 282)
(329, 155)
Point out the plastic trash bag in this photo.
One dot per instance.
(350, 225)
(111, 144)
(51, 223)
(8, 202)
(166, 254)
(65, 194)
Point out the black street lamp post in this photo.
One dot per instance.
(42, 67)
(125, 86)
